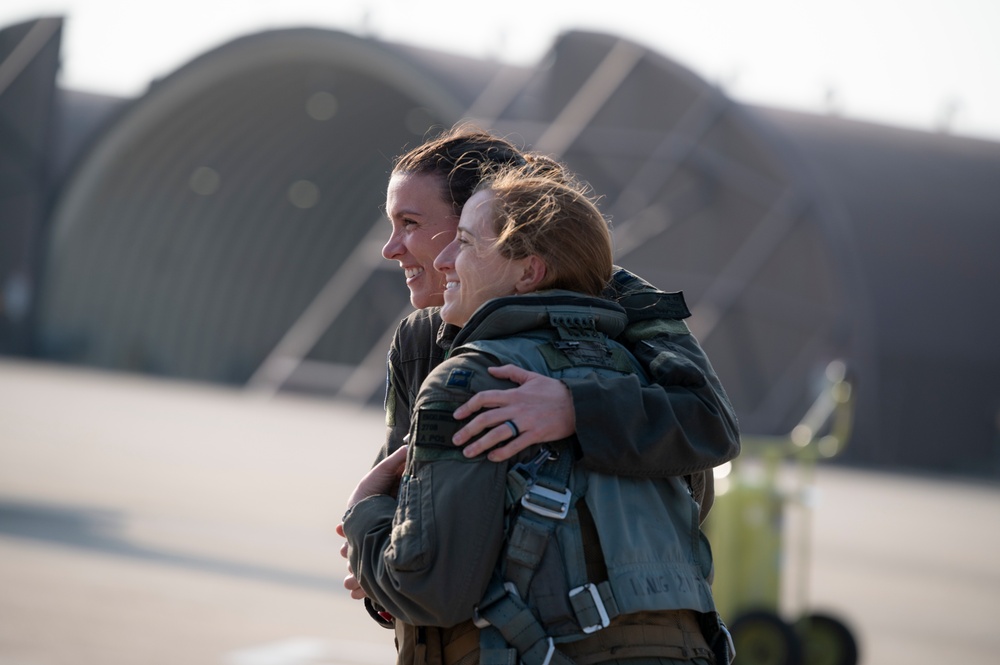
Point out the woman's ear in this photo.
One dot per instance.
(533, 271)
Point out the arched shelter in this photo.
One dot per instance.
(227, 228)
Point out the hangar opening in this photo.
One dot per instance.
(226, 227)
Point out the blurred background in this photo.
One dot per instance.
(194, 312)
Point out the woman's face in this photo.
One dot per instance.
(472, 265)
(423, 223)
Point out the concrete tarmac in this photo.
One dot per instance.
(154, 521)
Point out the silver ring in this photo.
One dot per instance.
(513, 428)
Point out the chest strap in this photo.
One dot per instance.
(510, 631)
(541, 487)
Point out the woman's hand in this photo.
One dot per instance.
(540, 407)
(351, 582)
(382, 479)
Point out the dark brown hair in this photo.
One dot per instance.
(463, 156)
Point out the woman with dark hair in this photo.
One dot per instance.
(537, 559)
(427, 190)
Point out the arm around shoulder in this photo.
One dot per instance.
(680, 423)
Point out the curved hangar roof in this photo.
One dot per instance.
(227, 228)
(207, 218)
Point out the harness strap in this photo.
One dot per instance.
(540, 486)
(494, 650)
(526, 545)
(509, 630)
(511, 634)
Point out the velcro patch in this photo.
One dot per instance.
(642, 330)
(460, 378)
(435, 428)
(560, 355)
(646, 305)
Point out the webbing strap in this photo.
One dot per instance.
(513, 624)
(525, 547)
(575, 326)
(493, 649)
(540, 487)
(509, 631)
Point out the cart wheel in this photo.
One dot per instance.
(761, 637)
(826, 641)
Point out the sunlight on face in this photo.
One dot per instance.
(472, 264)
(423, 223)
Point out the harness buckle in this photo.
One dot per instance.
(598, 604)
(529, 470)
(547, 502)
(548, 654)
(477, 619)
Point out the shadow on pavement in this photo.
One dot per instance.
(102, 531)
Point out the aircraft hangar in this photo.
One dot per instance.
(225, 226)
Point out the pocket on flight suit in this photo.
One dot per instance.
(413, 529)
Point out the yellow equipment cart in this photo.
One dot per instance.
(747, 528)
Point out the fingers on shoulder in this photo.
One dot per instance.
(511, 372)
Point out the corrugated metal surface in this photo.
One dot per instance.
(923, 214)
(210, 215)
(701, 201)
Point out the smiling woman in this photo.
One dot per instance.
(465, 545)
(422, 224)
(427, 189)
(475, 266)
(521, 233)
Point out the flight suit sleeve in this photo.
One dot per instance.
(397, 403)
(660, 430)
(413, 353)
(682, 423)
(426, 556)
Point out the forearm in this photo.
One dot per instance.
(657, 431)
(427, 559)
(681, 424)
(368, 528)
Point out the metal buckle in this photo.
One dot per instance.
(729, 639)
(598, 603)
(529, 469)
(529, 501)
(478, 620)
(548, 655)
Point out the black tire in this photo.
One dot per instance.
(761, 637)
(826, 640)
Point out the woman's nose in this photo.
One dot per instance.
(393, 248)
(443, 261)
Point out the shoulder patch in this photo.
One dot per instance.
(460, 378)
(434, 427)
(431, 434)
